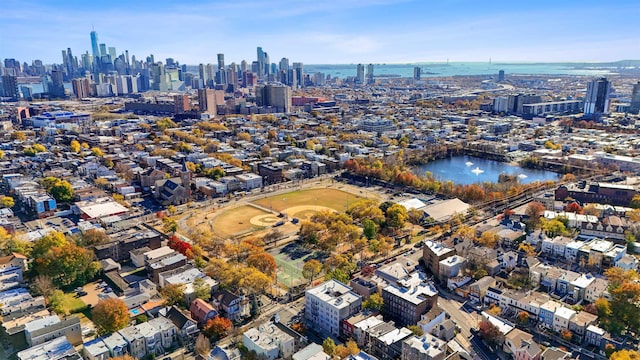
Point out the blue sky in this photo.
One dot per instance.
(326, 31)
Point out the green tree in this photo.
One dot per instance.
(329, 346)
(57, 301)
(370, 229)
(201, 289)
(374, 302)
(172, 294)
(61, 190)
(110, 315)
(553, 227)
(337, 274)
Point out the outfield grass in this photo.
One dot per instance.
(331, 198)
(237, 220)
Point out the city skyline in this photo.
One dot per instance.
(351, 31)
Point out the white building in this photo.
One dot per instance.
(561, 318)
(330, 303)
(268, 340)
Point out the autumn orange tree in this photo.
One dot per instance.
(264, 262)
(217, 327)
(490, 333)
(110, 315)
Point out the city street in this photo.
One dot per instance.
(463, 319)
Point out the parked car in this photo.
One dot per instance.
(82, 293)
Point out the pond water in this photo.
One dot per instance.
(469, 170)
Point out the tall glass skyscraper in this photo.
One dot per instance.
(94, 45)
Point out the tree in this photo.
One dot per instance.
(635, 201)
(43, 285)
(166, 123)
(169, 225)
(96, 151)
(311, 269)
(46, 243)
(74, 146)
(494, 310)
(201, 289)
(57, 301)
(254, 281)
(343, 351)
(94, 237)
(203, 346)
(172, 293)
(7, 202)
(244, 136)
(416, 330)
(329, 346)
(523, 317)
(574, 207)
(553, 227)
(217, 327)
(110, 315)
(466, 232)
(369, 229)
(18, 135)
(68, 265)
(61, 190)
(534, 210)
(480, 273)
(396, 216)
(528, 249)
(337, 274)
(264, 262)
(366, 209)
(374, 302)
(625, 355)
(603, 308)
(488, 239)
(490, 333)
(566, 335)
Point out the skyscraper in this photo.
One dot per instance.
(221, 74)
(10, 86)
(360, 74)
(298, 74)
(597, 99)
(94, 45)
(500, 75)
(417, 73)
(370, 74)
(635, 98)
(261, 63)
(56, 90)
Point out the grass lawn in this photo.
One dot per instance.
(237, 220)
(331, 198)
(73, 304)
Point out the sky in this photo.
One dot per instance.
(326, 31)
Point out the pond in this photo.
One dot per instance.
(470, 170)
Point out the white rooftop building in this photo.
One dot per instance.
(330, 303)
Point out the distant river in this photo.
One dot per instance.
(461, 68)
(469, 170)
